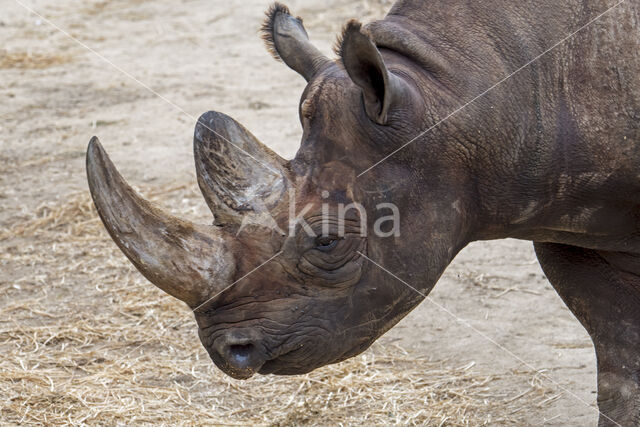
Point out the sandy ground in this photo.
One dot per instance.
(195, 56)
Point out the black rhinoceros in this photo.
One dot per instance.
(468, 121)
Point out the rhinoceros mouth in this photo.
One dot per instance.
(282, 362)
(290, 362)
(278, 366)
(271, 366)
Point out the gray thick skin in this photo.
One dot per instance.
(551, 155)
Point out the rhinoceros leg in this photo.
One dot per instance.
(602, 289)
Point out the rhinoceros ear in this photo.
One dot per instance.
(241, 179)
(364, 64)
(287, 40)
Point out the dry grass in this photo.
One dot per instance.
(86, 340)
(31, 60)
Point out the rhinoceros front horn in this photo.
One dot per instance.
(188, 261)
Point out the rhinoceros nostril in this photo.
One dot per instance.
(240, 354)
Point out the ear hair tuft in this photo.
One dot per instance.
(266, 30)
(352, 26)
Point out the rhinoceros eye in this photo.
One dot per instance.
(326, 243)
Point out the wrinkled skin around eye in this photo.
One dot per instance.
(334, 263)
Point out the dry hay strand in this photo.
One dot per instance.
(86, 340)
(76, 211)
(71, 217)
(31, 60)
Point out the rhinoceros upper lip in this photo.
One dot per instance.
(271, 365)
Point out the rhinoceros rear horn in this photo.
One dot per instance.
(287, 39)
(240, 178)
(188, 261)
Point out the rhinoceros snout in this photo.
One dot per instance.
(238, 354)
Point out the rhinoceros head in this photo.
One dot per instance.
(283, 280)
